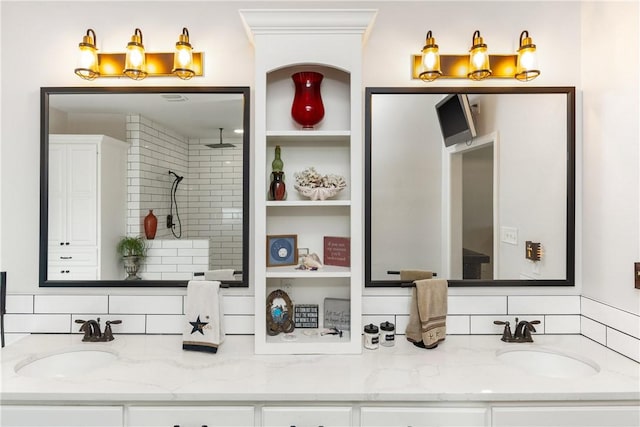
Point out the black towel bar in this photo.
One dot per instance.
(398, 272)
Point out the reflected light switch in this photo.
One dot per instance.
(509, 235)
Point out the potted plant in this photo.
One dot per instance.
(132, 250)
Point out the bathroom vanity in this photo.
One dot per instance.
(147, 380)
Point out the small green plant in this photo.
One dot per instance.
(132, 246)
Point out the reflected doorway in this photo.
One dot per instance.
(477, 214)
(474, 209)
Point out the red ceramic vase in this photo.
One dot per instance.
(307, 108)
(150, 225)
(277, 188)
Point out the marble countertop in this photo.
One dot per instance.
(154, 368)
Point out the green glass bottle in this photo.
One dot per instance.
(277, 164)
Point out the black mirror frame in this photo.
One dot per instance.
(569, 91)
(44, 184)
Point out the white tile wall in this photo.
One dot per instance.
(624, 344)
(19, 303)
(594, 330)
(165, 324)
(477, 305)
(215, 200)
(154, 151)
(175, 259)
(562, 324)
(71, 304)
(209, 198)
(42, 323)
(614, 328)
(544, 304)
(145, 304)
(163, 314)
(612, 317)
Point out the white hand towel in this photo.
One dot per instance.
(204, 319)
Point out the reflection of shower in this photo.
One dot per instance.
(220, 144)
(174, 203)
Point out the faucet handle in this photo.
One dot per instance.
(506, 334)
(108, 333)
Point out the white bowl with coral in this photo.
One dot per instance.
(315, 186)
(318, 193)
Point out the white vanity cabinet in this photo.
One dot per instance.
(300, 416)
(190, 416)
(329, 42)
(87, 206)
(566, 416)
(61, 416)
(423, 417)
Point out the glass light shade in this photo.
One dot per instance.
(135, 65)
(527, 62)
(430, 60)
(88, 67)
(183, 57)
(479, 67)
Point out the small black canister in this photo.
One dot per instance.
(387, 334)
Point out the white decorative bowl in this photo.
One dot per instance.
(318, 193)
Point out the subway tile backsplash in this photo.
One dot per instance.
(163, 314)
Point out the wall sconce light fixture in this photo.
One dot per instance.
(136, 63)
(478, 64)
(527, 65)
(430, 59)
(183, 57)
(88, 57)
(478, 59)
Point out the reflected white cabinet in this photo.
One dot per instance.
(422, 417)
(87, 206)
(190, 416)
(299, 416)
(61, 416)
(328, 42)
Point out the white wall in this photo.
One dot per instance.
(55, 29)
(611, 212)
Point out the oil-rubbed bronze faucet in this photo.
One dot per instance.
(522, 332)
(92, 333)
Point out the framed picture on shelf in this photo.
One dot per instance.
(282, 249)
(337, 251)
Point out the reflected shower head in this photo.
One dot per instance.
(220, 144)
(178, 178)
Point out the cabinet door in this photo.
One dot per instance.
(422, 417)
(71, 272)
(82, 166)
(190, 416)
(570, 416)
(61, 416)
(306, 417)
(57, 190)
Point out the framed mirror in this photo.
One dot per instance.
(474, 184)
(168, 164)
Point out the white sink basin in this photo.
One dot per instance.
(548, 362)
(65, 363)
